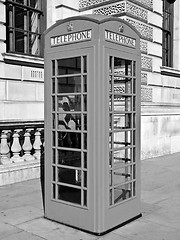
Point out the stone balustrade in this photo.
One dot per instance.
(21, 145)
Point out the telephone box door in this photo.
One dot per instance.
(68, 189)
(123, 91)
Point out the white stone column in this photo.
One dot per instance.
(37, 145)
(16, 148)
(27, 146)
(4, 149)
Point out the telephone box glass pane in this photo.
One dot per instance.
(69, 194)
(69, 158)
(69, 84)
(69, 66)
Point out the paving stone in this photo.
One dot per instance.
(147, 230)
(7, 230)
(113, 236)
(52, 231)
(22, 236)
(19, 215)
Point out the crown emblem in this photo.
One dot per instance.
(121, 28)
(70, 27)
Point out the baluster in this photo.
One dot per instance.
(4, 149)
(37, 145)
(27, 146)
(16, 148)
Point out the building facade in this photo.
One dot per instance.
(22, 23)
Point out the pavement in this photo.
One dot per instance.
(22, 215)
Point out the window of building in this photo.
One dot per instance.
(24, 26)
(167, 43)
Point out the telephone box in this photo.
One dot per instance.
(92, 123)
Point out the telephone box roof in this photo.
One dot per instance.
(96, 18)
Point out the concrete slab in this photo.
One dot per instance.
(148, 230)
(7, 230)
(52, 231)
(19, 215)
(22, 236)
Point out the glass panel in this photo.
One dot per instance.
(21, 42)
(54, 156)
(20, 1)
(69, 121)
(69, 140)
(110, 159)
(53, 173)
(34, 44)
(110, 103)
(134, 172)
(134, 154)
(110, 178)
(122, 192)
(110, 197)
(53, 139)
(85, 141)
(122, 139)
(69, 84)
(69, 103)
(69, 158)
(122, 103)
(110, 84)
(122, 121)
(85, 179)
(110, 140)
(134, 86)
(85, 121)
(20, 17)
(85, 64)
(53, 121)
(134, 68)
(122, 85)
(53, 67)
(53, 191)
(85, 103)
(53, 103)
(134, 188)
(110, 64)
(53, 85)
(122, 156)
(122, 67)
(66, 175)
(69, 66)
(85, 198)
(85, 159)
(35, 4)
(122, 175)
(84, 83)
(111, 125)
(69, 194)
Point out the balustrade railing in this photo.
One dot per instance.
(21, 143)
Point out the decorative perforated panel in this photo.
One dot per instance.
(123, 7)
(111, 9)
(91, 3)
(145, 30)
(146, 63)
(136, 11)
(146, 94)
(143, 46)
